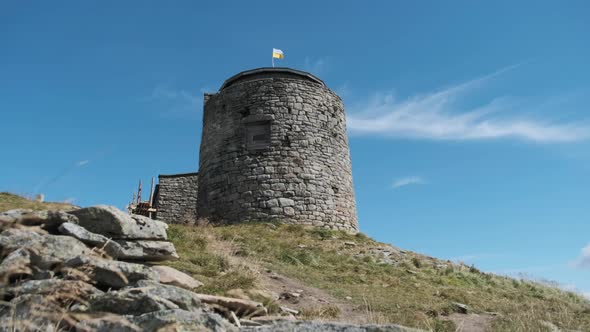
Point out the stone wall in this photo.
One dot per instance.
(176, 198)
(275, 147)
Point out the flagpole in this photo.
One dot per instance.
(273, 60)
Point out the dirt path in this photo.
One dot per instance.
(310, 298)
(471, 322)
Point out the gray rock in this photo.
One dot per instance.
(17, 265)
(182, 321)
(461, 308)
(171, 276)
(46, 251)
(13, 215)
(69, 288)
(132, 301)
(111, 274)
(183, 298)
(308, 326)
(114, 223)
(30, 313)
(47, 220)
(147, 250)
(106, 323)
(112, 248)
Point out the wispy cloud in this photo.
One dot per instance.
(406, 181)
(176, 95)
(175, 102)
(316, 66)
(583, 260)
(82, 163)
(441, 115)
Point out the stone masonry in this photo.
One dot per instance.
(274, 147)
(176, 198)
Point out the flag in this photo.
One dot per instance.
(278, 54)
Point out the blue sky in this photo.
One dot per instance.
(469, 121)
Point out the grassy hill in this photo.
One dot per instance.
(365, 285)
(331, 275)
(10, 201)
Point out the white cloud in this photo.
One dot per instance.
(440, 115)
(584, 259)
(406, 181)
(82, 163)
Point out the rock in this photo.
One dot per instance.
(105, 322)
(111, 274)
(183, 298)
(112, 248)
(13, 215)
(350, 244)
(132, 301)
(290, 295)
(17, 265)
(265, 320)
(171, 276)
(46, 251)
(461, 308)
(309, 326)
(47, 220)
(30, 313)
(289, 311)
(114, 223)
(182, 321)
(67, 289)
(147, 250)
(239, 306)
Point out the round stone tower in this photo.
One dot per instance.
(275, 147)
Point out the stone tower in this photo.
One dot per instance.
(275, 147)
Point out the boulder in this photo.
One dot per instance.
(166, 320)
(47, 220)
(114, 223)
(132, 301)
(171, 276)
(183, 298)
(46, 251)
(111, 274)
(146, 250)
(112, 248)
(30, 312)
(312, 326)
(13, 215)
(182, 321)
(67, 289)
(17, 265)
(105, 322)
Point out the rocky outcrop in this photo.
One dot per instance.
(116, 224)
(90, 270)
(171, 276)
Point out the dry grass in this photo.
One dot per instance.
(416, 290)
(10, 201)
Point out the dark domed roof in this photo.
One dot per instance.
(270, 72)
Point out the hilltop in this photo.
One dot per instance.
(335, 276)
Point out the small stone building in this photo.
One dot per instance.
(274, 147)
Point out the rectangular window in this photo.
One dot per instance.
(258, 135)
